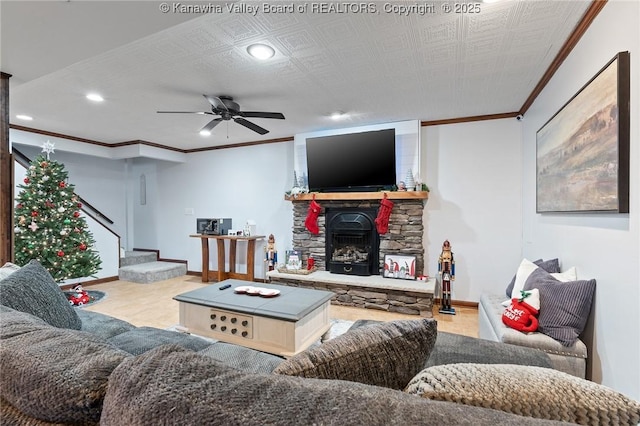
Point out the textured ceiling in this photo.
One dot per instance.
(377, 66)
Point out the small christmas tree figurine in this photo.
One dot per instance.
(49, 226)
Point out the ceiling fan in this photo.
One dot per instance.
(227, 109)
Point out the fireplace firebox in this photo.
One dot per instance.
(352, 242)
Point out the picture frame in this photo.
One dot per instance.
(399, 266)
(293, 260)
(582, 152)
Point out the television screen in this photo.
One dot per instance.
(363, 161)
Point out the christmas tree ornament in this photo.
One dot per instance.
(60, 253)
(22, 220)
(82, 246)
(43, 164)
(384, 212)
(33, 226)
(34, 213)
(26, 180)
(311, 222)
(61, 209)
(63, 232)
(66, 221)
(62, 184)
(76, 214)
(45, 178)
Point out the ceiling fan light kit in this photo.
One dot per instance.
(227, 110)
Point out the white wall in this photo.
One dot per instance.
(474, 173)
(243, 184)
(601, 246)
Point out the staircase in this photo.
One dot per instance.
(144, 267)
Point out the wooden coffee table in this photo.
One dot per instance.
(283, 325)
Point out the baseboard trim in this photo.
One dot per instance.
(465, 303)
(90, 282)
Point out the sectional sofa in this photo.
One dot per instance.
(64, 365)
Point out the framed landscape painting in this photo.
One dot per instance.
(582, 152)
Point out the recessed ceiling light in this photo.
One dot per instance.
(24, 117)
(338, 115)
(95, 97)
(205, 133)
(261, 51)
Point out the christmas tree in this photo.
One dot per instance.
(49, 226)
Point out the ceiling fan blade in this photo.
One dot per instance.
(258, 114)
(216, 102)
(213, 123)
(250, 125)
(185, 112)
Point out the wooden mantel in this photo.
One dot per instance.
(392, 195)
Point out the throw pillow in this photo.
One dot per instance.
(54, 374)
(525, 268)
(528, 391)
(564, 307)
(31, 289)
(522, 314)
(388, 354)
(172, 386)
(8, 269)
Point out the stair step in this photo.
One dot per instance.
(137, 257)
(150, 272)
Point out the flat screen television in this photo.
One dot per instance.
(364, 161)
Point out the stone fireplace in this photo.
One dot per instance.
(404, 236)
(355, 242)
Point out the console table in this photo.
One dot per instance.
(220, 239)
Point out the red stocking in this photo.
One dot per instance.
(311, 222)
(382, 221)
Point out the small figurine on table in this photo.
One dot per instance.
(271, 254)
(447, 272)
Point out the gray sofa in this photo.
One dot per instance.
(63, 365)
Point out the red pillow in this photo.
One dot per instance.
(522, 313)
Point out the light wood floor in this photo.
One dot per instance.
(153, 305)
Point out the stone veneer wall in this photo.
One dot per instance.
(401, 301)
(404, 236)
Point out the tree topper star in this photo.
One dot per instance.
(47, 147)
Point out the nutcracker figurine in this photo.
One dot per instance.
(270, 253)
(447, 272)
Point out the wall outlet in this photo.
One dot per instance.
(189, 211)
